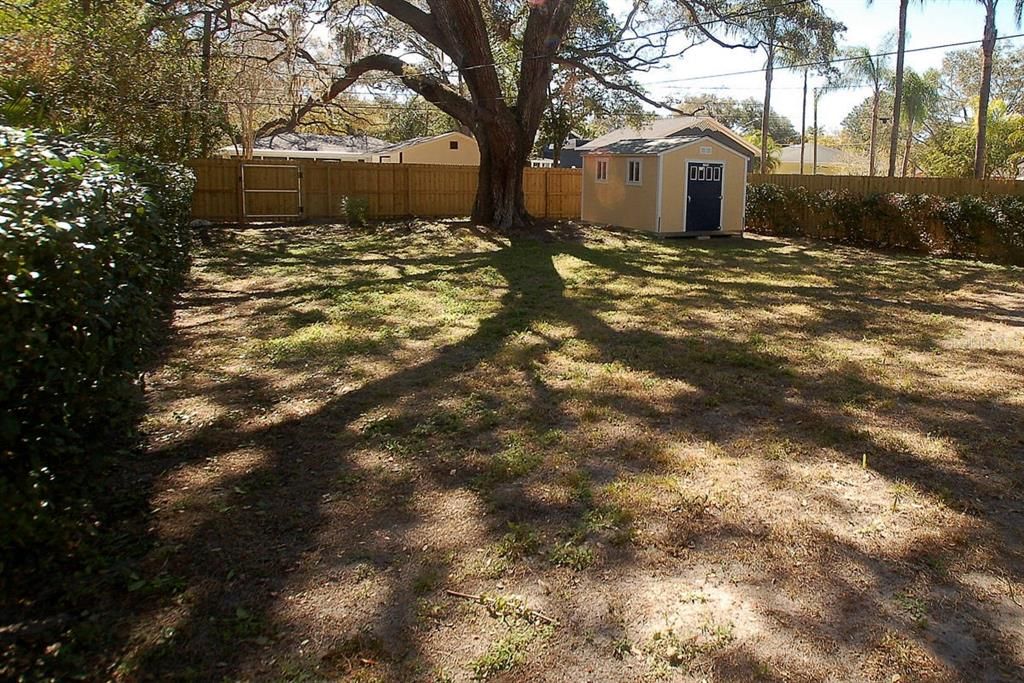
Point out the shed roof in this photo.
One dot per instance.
(643, 145)
(676, 126)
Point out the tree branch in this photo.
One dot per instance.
(611, 85)
(545, 22)
(463, 23)
(722, 18)
(437, 93)
(419, 21)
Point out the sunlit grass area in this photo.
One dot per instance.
(738, 459)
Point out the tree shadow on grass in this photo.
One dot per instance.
(266, 530)
(307, 506)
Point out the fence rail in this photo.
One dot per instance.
(314, 189)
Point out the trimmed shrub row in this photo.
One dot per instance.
(93, 245)
(987, 228)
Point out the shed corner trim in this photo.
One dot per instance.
(661, 182)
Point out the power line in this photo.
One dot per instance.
(677, 29)
(668, 31)
(837, 60)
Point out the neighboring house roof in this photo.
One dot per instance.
(311, 142)
(677, 126)
(570, 155)
(310, 145)
(790, 154)
(644, 145)
(412, 142)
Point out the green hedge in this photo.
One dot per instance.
(989, 228)
(93, 247)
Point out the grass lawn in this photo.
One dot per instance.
(750, 459)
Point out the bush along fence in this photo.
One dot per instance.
(989, 228)
(93, 247)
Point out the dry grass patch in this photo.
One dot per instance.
(736, 460)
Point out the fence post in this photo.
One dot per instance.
(239, 191)
(303, 177)
(408, 191)
(330, 194)
(547, 178)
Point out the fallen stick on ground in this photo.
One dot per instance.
(514, 605)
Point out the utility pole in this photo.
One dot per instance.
(814, 167)
(803, 125)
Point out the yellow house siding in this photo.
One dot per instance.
(437, 151)
(616, 202)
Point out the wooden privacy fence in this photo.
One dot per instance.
(237, 190)
(280, 189)
(868, 185)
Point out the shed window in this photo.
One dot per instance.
(602, 170)
(453, 144)
(633, 172)
(693, 172)
(718, 172)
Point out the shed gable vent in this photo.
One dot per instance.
(705, 151)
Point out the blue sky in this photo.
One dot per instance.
(933, 23)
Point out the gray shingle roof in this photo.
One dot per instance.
(676, 126)
(643, 145)
(311, 142)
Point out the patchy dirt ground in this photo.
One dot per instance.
(741, 460)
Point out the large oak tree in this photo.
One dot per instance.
(505, 127)
(489, 65)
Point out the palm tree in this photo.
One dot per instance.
(901, 48)
(988, 46)
(920, 95)
(865, 67)
(787, 37)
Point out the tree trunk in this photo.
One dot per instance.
(876, 101)
(803, 125)
(901, 48)
(205, 141)
(556, 155)
(988, 45)
(499, 194)
(769, 67)
(910, 141)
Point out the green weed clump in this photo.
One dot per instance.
(356, 210)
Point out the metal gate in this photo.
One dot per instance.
(271, 191)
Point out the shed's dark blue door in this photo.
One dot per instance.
(703, 196)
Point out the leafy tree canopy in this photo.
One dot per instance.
(743, 116)
(961, 79)
(950, 150)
